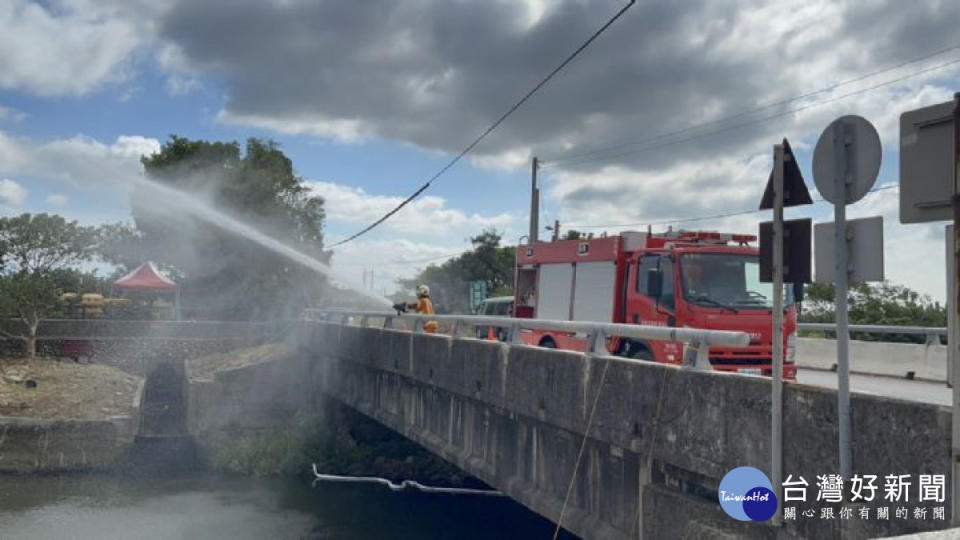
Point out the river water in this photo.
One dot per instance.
(200, 506)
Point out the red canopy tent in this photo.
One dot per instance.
(146, 277)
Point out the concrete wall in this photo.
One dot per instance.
(247, 399)
(875, 358)
(29, 445)
(660, 440)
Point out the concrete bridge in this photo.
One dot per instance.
(615, 448)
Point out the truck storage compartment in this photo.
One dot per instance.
(594, 291)
(553, 291)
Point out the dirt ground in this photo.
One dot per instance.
(64, 389)
(205, 366)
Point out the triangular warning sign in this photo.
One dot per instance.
(795, 191)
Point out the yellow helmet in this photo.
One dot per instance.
(423, 290)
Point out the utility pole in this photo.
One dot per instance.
(556, 230)
(534, 201)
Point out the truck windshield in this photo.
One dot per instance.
(727, 280)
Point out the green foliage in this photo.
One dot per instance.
(284, 451)
(222, 275)
(36, 252)
(340, 444)
(449, 282)
(881, 304)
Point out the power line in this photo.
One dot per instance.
(493, 126)
(758, 109)
(759, 120)
(703, 218)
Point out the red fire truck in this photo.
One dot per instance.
(693, 279)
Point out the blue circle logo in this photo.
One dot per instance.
(746, 494)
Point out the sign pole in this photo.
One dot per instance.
(840, 181)
(776, 415)
(954, 339)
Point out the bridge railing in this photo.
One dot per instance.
(698, 341)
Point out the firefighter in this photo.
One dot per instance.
(423, 305)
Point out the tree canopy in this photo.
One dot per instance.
(881, 304)
(223, 275)
(487, 261)
(37, 253)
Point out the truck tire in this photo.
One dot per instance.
(635, 350)
(548, 343)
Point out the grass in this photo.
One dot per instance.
(205, 367)
(65, 389)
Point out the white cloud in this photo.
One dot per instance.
(12, 193)
(389, 260)
(427, 215)
(57, 199)
(70, 47)
(341, 129)
(78, 160)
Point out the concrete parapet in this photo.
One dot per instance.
(660, 440)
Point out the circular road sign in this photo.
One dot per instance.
(861, 158)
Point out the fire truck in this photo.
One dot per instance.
(698, 279)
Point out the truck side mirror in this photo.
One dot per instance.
(654, 283)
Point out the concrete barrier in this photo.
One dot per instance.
(928, 362)
(660, 440)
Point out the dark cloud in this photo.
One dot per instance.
(434, 72)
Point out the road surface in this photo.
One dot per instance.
(925, 391)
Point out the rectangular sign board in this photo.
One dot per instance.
(926, 164)
(796, 251)
(864, 251)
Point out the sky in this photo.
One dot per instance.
(670, 115)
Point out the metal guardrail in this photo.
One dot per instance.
(697, 354)
(932, 333)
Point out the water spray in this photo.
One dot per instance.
(191, 204)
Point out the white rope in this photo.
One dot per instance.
(402, 485)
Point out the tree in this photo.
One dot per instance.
(449, 282)
(881, 304)
(36, 251)
(222, 274)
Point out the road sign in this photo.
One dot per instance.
(858, 142)
(930, 191)
(864, 248)
(478, 293)
(846, 162)
(795, 192)
(796, 251)
(926, 164)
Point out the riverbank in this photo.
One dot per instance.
(50, 389)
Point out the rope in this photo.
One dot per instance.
(583, 446)
(649, 458)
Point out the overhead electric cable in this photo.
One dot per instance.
(757, 120)
(572, 156)
(490, 129)
(702, 218)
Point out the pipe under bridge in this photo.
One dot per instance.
(612, 447)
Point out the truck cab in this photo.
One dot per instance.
(699, 279)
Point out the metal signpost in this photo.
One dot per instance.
(785, 187)
(930, 191)
(846, 162)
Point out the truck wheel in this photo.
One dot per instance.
(548, 343)
(643, 354)
(637, 351)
